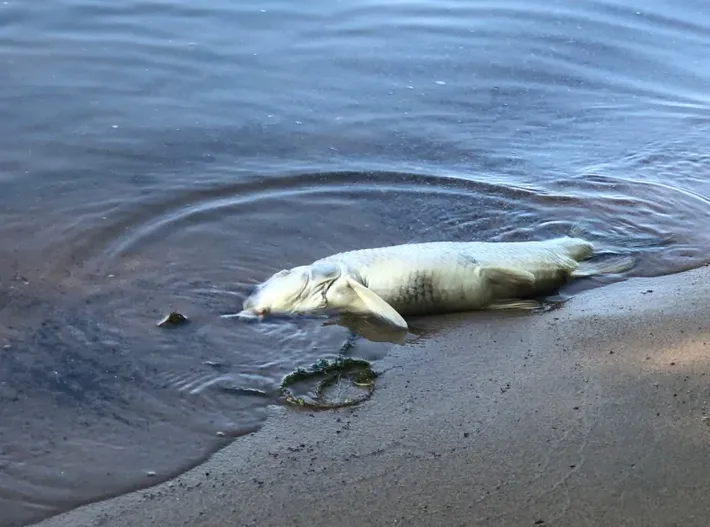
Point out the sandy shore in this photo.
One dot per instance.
(594, 414)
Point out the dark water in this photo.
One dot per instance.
(161, 155)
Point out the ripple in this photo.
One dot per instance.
(88, 363)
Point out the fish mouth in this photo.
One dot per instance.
(245, 314)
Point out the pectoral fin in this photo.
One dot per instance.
(509, 277)
(375, 305)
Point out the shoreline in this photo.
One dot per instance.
(595, 414)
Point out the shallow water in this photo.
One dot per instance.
(159, 155)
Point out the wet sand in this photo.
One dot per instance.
(593, 414)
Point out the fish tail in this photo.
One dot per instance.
(576, 230)
(578, 248)
(617, 265)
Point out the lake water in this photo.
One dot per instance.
(159, 155)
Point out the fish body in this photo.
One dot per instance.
(440, 277)
(425, 278)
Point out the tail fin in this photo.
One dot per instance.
(617, 265)
(578, 248)
(577, 231)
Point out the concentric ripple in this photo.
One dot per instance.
(88, 374)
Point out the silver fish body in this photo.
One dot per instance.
(426, 278)
(451, 276)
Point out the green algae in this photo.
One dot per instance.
(330, 372)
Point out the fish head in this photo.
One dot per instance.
(299, 290)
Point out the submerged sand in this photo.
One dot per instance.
(593, 414)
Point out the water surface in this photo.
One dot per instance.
(161, 155)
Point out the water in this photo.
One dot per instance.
(161, 155)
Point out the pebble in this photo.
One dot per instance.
(173, 319)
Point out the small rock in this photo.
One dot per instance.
(173, 319)
(220, 434)
(150, 474)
